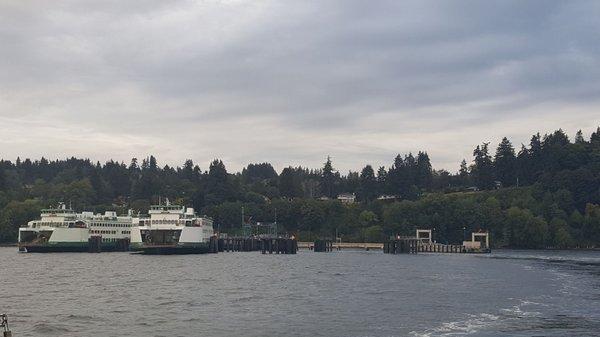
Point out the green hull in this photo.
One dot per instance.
(67, 247)
(197, 248)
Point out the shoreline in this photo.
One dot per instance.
(379, 246)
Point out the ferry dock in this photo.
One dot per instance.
(422, 242)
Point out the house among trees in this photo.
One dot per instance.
(387, 197)
(347, 198)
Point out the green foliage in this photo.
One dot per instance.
(14, 214)
(525, 230)
(548, 197)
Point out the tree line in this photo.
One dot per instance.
(546, 194)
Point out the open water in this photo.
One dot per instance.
(347, 293)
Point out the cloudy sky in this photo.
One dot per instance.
(290, 82)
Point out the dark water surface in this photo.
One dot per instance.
(348, 293)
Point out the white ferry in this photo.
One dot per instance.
(63, 230)
(172, 229)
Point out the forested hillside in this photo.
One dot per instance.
(544, 194)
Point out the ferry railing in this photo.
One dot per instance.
(4, 325)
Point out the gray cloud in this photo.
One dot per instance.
(292, 82)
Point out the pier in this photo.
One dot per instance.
(264, 245)
(408, 245)
(322, 246)
(423, 242)
(344, 245)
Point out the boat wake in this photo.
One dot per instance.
(477, 324)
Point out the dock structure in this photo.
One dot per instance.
(265, 245)
(402, 245)
(423, 242)
(441, 248)
(323, 246)
(238, 244)
(279, 246)
(344, 245)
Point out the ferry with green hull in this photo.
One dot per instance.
(61, 229)
(172, 229)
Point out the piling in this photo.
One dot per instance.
(278, 246)
(122, 245)
(402, 246)
(95, 244)
(323, 246)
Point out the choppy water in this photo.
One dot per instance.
(348, 293)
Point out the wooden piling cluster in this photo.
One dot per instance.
(122, 245)
(413, 245)
(279, 246)
(323, 246)
(265, 245)
(441, 248)
(238, 244)
(213, 245)
(401, 246)
(95, 244)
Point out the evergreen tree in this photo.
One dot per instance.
(188, 171)
(523, 169)
(423, 171)
(381, 180)
(218, 186)
(505, 163)
(395, 177)
(483, 169)
(463, 173)
(368, 184)
(579, 137)
(152, 165)
(327, 183)
(289, 183)
(595, 137)
(258, 172)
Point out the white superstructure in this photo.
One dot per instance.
(171, 226)
(62, 227)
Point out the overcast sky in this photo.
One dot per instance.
(292, 82)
